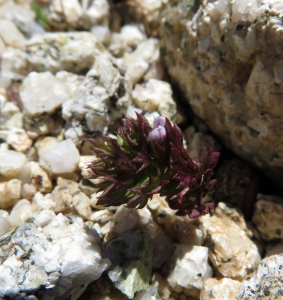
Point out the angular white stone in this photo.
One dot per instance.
(42, 93)
(72, 81)
(132, 35)
(20, 213)
(4, 222)
(81, 203)
(129, 219)
(138, 61)
(10, 193)
(45, 143)
(11, 34)
(19, 139)
(13, 64)
(224, 288)
(76, 14)
(63, 157)
(191, 268)
(11, 163)
(232, 253)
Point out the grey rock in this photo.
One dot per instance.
(103, 99)
(131, 257)
(69, 51)
(49, 257)
(266, 282)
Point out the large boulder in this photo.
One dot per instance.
(226, 57)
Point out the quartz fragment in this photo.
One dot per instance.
(11, 163)
(10, 34)
(232, 253)
(266, 282)
(132, 35)
(267, 217)
(131, 255)
(66, 14)
(50, 257)
(13, 65)
(139, 60)
(189, 267)
(61, 158)
(10, 193)
(20, 13)
(4, 222)
(20, 213)
(42, 93)
(216, 288)
(19, 140)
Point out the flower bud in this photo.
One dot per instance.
(157, 135)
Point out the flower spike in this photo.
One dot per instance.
(144, 161)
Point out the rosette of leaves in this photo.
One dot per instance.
(143, 161)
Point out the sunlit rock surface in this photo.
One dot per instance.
(226, 58)
(50, 257)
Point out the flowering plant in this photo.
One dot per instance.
(143, 161)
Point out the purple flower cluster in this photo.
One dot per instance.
(144, 161)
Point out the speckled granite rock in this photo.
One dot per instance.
(266, 282)
(226, 57)
(103, 98)
(69, 51)
(50, 257)
(267, 217)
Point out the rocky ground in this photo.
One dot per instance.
(70, 70)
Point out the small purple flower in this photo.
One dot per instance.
(159, 122)
(158, 134)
